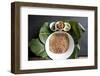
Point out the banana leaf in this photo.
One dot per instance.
(75, 52)
(38, 48)
(76, 31)
(44, 32)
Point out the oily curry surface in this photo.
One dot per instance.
(59, 43)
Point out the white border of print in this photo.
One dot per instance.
(25, 64)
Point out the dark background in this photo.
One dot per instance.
(36, 21)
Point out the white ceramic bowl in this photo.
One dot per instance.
(61, 56)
